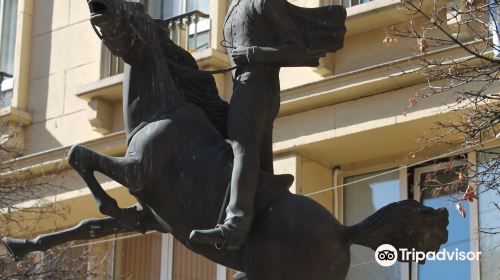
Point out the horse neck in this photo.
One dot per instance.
(148, 89)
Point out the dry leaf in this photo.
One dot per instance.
(460, 209)
(469, 193)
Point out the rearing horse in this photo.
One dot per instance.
(178, 166)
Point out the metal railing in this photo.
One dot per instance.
(345, 3)
(111, 65)
(350, 3)
(191, 31)
(185, 31)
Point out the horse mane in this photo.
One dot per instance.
(197, 87)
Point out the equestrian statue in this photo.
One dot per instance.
(202, 169)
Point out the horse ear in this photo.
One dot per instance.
(136, 6)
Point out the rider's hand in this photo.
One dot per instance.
(240, 55)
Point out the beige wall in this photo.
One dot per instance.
(65, 54)
(360, 125)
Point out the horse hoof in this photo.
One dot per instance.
(18, 248)
(74, 155)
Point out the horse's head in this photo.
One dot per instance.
(111, 16)
(107, 15)
(123, 26)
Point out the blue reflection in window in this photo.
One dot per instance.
(362, 199)
(458, 227)
(489, 220)
(458, 238)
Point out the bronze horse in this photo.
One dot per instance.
(178, 166)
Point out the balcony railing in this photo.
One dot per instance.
(345, 3)
(350, 3)
(190, 31)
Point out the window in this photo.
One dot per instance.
(438, 186)
(190, 266)
(197, 28)
(153, 256)
(138, 257)
(363, 195)
(350, 3)
(489, 223)
(167, 9)
(8, 21)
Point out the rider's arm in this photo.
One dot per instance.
(291, 47)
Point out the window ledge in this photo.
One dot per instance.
(102, 94)
(211, 58)
(373, 15)
(108, 89)
(15, 115)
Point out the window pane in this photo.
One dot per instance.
(362, 199)
(489, 176)
(191, 266)
(201, 41)
(5, 98)
(139, 257)
(164, 8)
(200, 5)
(8, 35)
(458, 227)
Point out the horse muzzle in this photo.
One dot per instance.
(101, 11)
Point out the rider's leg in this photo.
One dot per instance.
(266, 151)
(247, 119)
(240, 276)
(246, 127)
(85, 162)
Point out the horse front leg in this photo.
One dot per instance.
(123, 170)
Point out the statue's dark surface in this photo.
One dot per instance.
(262, 36)
(178, 164)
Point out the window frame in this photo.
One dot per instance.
(403, 194)
(8, 83)
(167, 260)
(473, 209)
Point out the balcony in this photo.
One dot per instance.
(191, 31)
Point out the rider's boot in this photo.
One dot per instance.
(233, 233)
(240, 276)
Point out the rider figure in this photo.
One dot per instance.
(261, 38)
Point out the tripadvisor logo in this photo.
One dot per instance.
(387, 255)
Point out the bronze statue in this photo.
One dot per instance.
(178, 164)
(262, 36)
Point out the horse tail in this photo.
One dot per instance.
(404, 224)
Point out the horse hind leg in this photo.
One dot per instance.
(86, 162)
(86, 230)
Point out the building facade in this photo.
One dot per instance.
(341, 131)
